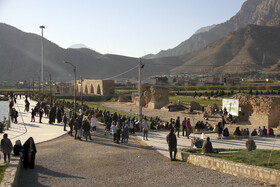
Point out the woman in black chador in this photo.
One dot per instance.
(29, 152)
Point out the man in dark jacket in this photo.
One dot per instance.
(86, 127)
(172, 144)
(177, 126)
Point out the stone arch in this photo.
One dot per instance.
(86, 89)
(98, 90)
(91, 89)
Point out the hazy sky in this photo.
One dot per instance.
(125, 27)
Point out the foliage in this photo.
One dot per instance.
(2, 126)
(250, 145)
(2, 171)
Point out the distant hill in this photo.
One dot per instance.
(20, 59)
(258, 12)
(78, 46)
(251, 48)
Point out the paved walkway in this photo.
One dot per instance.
(157, 139)
(24, 129)
(100, 162)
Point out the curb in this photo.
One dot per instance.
(266, 175)
(11, 175)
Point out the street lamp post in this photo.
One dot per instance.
(42, 58)
(82, 101)
(50, 84)
(74, 69)
(140, 92)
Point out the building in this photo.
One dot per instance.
(95, 87)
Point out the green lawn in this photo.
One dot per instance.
(2, 171)
(257, 157)
(188, 100)
(125, 91)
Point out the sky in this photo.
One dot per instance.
(125, 27)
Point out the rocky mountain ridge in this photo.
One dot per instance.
(258, 12)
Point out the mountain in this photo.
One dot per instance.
(205, 29)
(20, 59)
(258, 12)
(248, 49)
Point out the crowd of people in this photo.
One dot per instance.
(121, 126)
(260, 132)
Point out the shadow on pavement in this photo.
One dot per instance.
(42, 172)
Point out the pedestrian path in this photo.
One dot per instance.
(157, 139)
(24, 129)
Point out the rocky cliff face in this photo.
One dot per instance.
(247, 49)
(258, 12)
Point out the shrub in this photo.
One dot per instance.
(2, 126)
(250, 145)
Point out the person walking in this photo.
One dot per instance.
(29, 152)
(189, 128)
(86, 127)
(6, 147)
(184, 125)
(119, 131)
(177, 126)
(114, 131)
(71, 124)
(125, 133)
(172, 144)
(15, 115)
(145, 129)
(33, 115)
(40, 115)
(65, 121)
(93, 122)
(79, 127)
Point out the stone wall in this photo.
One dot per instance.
(259, 110)
(95, 87)
(159, 97)
(154, 97)
(266, 175)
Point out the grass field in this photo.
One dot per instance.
(257, 157)
(187, 100)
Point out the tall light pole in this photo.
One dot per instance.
(140, 92)
(74, 69)
(82, 102)
(50, 83)
(42, 57)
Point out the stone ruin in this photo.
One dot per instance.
(259, 110)
(154, 97)
(211, 108)
(195, 105)
(96, 87)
